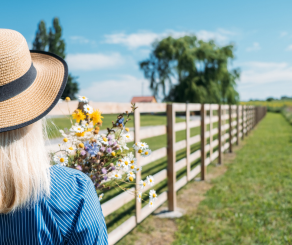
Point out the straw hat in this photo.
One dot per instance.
(31, 82)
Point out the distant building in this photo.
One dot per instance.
(143, 99)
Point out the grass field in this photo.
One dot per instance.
(272, 106)
(252, 202)
(64, 122)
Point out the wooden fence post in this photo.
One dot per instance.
(247, 120)
(220, 159)
(171, 157)
(242, 122)
(138, 174)
(210, 129)
(203, 142)
(237, 125)
(230, 129)
(188, 148)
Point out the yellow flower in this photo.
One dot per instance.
(127, 129)
(67, 99)
(113, 154)
(96, 117)
(78, 116)
(65, 140)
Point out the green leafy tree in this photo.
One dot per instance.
(199, 68)
(41, 37)
(53, 42)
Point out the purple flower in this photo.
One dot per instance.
(109, 150)
(102, 148)
(83, 152)
(113, 168)
(110, 137)
(104, 177)
(104, 171)
(78, 167)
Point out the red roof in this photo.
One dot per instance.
(146, 99)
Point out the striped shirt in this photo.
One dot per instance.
(71, 215)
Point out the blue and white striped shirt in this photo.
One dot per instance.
(71, 215)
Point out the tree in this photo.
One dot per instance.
(54, 43)
(41, 37)
(199, 68)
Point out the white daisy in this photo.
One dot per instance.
(116, 175)
(119, 164)
(71, 149)
(103, 140)
(88, 108)
(143, 145)
(139, 196)
(142, 184)
(150, 180)
(100, 196)
(136, 146)
(146, 153)
(79, 129)
(127, 136)
(83, 99)
(151, 203)
(126, 163)
(132, 167)
(138, 168)
(61, 160)
(152, 195)
(131, 176)
(131, 157)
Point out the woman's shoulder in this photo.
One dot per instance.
(67, 180)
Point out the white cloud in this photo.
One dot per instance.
(283, 34)
(96, 61)
(289, 48)
(121, 89)
(81, 40)
(255, 47)
(146, 38)
(265, 72)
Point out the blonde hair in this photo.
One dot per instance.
(24, 167)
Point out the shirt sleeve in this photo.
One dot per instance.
(90, 227)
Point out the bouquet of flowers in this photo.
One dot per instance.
(104, 158)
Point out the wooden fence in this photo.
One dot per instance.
(227, 123)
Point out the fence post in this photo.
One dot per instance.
(138, 174)
(242, 122)
(230, 129)
(203, 142)
(211, 135)
(237, 124)
(171, 157)
(220, 159)
(188, 148)
(247, 120)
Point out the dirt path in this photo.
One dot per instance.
(157, 231)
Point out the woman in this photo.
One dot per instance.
(39, 204)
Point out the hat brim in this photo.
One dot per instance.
(40, 98)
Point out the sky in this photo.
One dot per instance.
(105, 40)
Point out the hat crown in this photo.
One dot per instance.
(15, 58)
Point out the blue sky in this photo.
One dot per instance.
(106, 39)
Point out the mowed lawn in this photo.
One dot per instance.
(252, 202)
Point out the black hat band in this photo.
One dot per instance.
(19, 85)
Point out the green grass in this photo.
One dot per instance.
(64, 122)
(252, 202)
